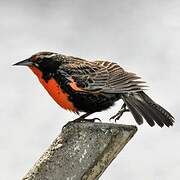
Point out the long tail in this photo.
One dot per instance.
(142, 106)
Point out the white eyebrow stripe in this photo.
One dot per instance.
(47, 56)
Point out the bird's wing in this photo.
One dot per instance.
(100, 76)
(119, 80)
(85, 75)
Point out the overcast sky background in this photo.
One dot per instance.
(143, 36)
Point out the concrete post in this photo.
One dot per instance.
(81, 151)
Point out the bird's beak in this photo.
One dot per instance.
(26, 62)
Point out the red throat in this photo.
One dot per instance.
(55, 91)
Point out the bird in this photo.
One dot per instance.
(84, 86)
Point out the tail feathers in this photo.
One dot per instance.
(142, 105)
(132, 107)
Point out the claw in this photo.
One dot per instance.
(98, 119)
(81, 119)
(117, 116)
(92, 120)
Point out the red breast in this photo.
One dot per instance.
(55, 91)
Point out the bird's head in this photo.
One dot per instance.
(42, 63)
(41, 60)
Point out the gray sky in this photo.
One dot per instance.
(143, 36)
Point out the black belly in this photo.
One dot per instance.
(92, 102)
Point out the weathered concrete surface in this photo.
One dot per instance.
(81, 151)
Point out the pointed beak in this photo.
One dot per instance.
(26, 62)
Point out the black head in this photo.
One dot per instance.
(39, 59)
(46, 62)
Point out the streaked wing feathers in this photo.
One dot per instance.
(119, 80)
(102, 76)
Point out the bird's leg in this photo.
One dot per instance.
(120, 113)
(82, 118)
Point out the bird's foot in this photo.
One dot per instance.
(80, 119)
(83, 118)
(117, 116)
